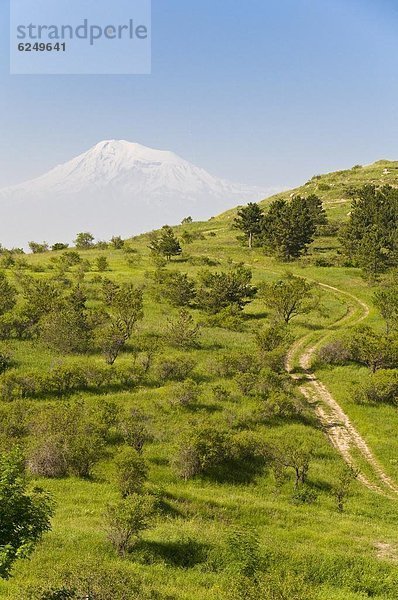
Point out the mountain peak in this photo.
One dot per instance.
(131, 151)
(115, 187)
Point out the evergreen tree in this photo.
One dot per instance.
(249, 220)
(370, 238)
(166, 244)
(221, 290)
(288, 228)
(315, 206)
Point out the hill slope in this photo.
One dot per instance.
(334, 188)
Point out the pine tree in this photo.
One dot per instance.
(370, 238)
(249, 220)
(288, 228)
(315, 206)
(166, 244)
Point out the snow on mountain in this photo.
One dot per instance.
(116, 187)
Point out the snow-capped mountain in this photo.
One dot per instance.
(116, 187)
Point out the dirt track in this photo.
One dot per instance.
(338, 427)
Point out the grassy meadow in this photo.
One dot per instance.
(351, 555)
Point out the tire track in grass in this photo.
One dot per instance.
(340, 430)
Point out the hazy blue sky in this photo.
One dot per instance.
(266, 92)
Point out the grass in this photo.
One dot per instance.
(337, 553)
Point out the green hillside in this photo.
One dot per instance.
(239, 528)
(334, 188)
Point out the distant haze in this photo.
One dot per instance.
(115, 188)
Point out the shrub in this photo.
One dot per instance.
(304, 495)
(128, 376)
(220, 393)
(117, 242)
(175, 369)
(84, 240)
(14, 420)
(6, 360)
(97, 581)
(75, 436)
(183, 332)
(59, 246)
(126, 520)
(134, 430)
(272, 337)
(200, 449)
(132, 472)
(280, 404)
(294, 452)
(85, 447)
(219, 290)
(335, 352)
(228, 365)
(65, 330)
(202, 261)
(185, 393)
(175, 287)
(187, 461)
(381, 388)
(47, 458)
(268, 382)
(24, 514)
(228, 318)
(376, 351)
(245, 382)
(324, 187)
(63, 379)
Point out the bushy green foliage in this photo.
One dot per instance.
(134, 430)
(96, 582)
(386, 300)
(249, 221)
(68, 439)
(117, 242)
(201, 448)
(182, 331)
(220, 290)
(59, 246)
(24, 515)
(165, 243)
(84, 240)
(376, 351)
(294, 453)
(127, 519)
(7, 295)
(125, 308)
(185, 393)
(288, 228)
(369, 238)
(175, 287)
(66, 328)
(132, 472)
(174, 369)
(102, 264)
(382, 387)
(37, 248)
(289, 297)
